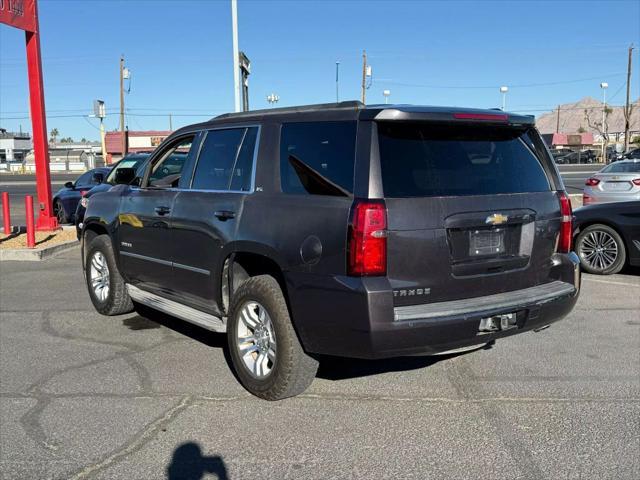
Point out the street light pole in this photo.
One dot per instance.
(337, 82)
(504, 90)
(604, 86)
(236, 59)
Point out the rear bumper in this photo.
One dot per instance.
(599, 196)
(362, 321)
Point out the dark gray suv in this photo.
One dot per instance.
(340, 229)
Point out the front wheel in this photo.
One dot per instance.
(601, 250)
(266, 353)
(106, 286)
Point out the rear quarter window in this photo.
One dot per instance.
(424, 160)
(317, 158)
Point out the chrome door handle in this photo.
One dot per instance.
(162, 210)
(224, 215)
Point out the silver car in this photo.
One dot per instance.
(617, 182)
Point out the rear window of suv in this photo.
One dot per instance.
(424, 160)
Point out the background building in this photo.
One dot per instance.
(14, 147)
(139, 141)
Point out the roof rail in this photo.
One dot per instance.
(297, 109)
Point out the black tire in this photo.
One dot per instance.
(584, 245)
(117, 300)
(61, 215)
(292, 370)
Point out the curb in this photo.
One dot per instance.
(36, 254)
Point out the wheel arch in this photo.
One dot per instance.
(243, 260)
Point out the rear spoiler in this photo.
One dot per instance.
(470, 116)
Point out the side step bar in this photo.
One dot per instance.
(176, 309)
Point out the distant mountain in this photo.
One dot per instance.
(572, 117)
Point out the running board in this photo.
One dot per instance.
(176, 309)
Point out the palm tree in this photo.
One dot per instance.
(54, 134)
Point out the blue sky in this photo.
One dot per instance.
(425, 52)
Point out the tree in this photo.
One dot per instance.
(66, 140)
(601, 127)
(83, 140)
(54, 134)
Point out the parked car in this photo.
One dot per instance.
(633, 154)
(134, 160)
(340, 229)
(66, 199)
(617, 182)
(607, 236)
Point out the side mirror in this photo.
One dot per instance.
(124, 176)
(98, 177)
(69, 185)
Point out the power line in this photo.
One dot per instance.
(525, 85)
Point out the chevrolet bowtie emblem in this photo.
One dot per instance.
(496, 219)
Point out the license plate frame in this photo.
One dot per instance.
(486, 242)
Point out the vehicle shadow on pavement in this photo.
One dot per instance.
(188, 463)
(338, 368)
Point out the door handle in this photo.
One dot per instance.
(162, 210)
(224, 215)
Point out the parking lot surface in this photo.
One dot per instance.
(149, 397)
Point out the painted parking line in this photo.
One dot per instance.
(611, 282)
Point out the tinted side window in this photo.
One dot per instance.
(217, 159)
(243, 169)
(421, 160)
(167, 168)
(84, 179)
(317, 157)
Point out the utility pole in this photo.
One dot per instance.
(627, 106)
(170, 124)
(364, 76)
(558, 120)
(124, 142)
(236, 54)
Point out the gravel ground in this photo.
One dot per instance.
(150, 397)
(43, 239)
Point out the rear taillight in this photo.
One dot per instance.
(564, 240)
(636, 181)
(367, 253)
(592, 182)
(586, 199)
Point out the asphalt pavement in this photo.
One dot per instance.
(150, 397)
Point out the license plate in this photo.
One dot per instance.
(486, 242)
(617, 186)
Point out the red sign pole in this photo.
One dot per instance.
(46, 218)
(23, 14)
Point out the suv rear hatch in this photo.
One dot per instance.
(472, 208)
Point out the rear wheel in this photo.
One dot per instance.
(106, 286)
(601, 250)
(266, 354)
(59, 212)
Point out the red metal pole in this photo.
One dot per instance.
(31, 232)
(46, 219)
(6, 213)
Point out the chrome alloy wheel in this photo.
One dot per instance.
(255, 340)
(598, 250)
(99, 276)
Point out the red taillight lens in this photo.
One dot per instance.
(636, 181)
(592, 182)
(487, 117)
(368, 238)
(564, 240)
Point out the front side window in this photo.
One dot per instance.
(225, 161)
(429, 160)
(167, 170)
(317, 158)
(84, 180)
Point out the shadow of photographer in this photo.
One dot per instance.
(188, 463)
